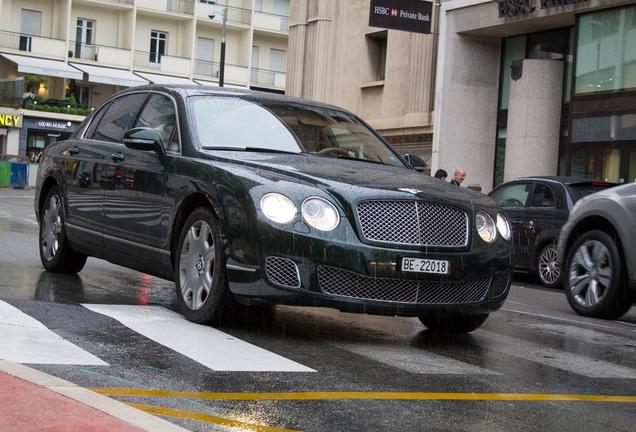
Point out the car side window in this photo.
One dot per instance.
(118, 117)
(514, 195)
(542, 197)
(95, 122)
(159, 114)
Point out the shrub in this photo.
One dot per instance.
(55, 109)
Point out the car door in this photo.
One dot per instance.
(513, 198)
(135, 218)
(546, 213)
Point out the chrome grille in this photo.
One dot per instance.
(415, 223)
(346, 283)
(500, 284)
(282, 271)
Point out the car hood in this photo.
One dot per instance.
(354, 180)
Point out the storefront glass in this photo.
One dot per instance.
(606, 51)
(37, 140)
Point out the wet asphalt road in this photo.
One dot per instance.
(536, 345)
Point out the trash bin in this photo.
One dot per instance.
(19, 174)
(5, 174)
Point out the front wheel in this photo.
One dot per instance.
(548, 268)
(595, 285)
(453, 323)
(200, 279)
(56, 254)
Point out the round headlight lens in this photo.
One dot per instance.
(320, 214)
(278, 208)
(503, 226)
(485, 227)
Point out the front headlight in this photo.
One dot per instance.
(278, 208)
(485, 227)
(503, 226)
(320, 214)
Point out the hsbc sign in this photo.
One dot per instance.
(405, 15)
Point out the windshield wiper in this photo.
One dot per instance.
(251, 149)
(350, 158)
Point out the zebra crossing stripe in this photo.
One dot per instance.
(26, 340)
(210, 347)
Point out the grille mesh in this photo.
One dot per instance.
(413, 223)
(282, 271)
(345, 283)
(500, 284)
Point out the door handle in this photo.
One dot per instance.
(117, 157)
(73, 150)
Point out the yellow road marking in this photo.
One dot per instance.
(363, 395)
(191, 415)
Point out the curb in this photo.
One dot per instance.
(84, 396)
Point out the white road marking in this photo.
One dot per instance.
(414, 360)
(556, 358)
(552, 317)
(17, 196)
(212, 348)
(7, 215)
(23, 339)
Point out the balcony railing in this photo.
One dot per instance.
(271, 21)
(207, 68)
(34, 44)
(147, 59)
(239, 16)
(181, 6)
(126, 2)
(268, 78)
(82, 51)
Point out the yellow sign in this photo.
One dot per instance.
(8, 120)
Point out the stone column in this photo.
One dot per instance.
(534, 119)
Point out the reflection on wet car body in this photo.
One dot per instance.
(242, 197)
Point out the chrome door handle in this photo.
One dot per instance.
(117, 157)
(74, 150)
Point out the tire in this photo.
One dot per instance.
(200, 275)
(548, 268)
(595, 284)
(56, 253)
(453, 323)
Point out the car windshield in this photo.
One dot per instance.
(231, 122)
(579, 190)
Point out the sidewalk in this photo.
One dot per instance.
(31, 400)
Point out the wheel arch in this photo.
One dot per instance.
(49, 183)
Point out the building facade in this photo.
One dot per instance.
(60, 58)
(384, 76)
(537, 87)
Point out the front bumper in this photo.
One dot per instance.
(341, 272)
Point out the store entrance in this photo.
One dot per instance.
(37, 140)
(607, 161)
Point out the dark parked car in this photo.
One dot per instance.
(598, 244)
(258, 198)
(537, 208)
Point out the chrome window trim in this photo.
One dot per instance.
(128, 242)
(176, 111)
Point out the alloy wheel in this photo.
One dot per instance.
(51, 228)
(549, 269)
(590, 273)
(196, 265)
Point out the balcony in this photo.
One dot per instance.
(38, 45)
(271, 22)
(235, 15)
(268, 79)
(163, 63)
(185, 7)
(207, 70)
(105, 55)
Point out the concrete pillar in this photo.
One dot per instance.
(534, 118)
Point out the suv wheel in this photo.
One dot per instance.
(548, 268)
(453, 323)
(200, 277)
(595, 285)
(56, 253)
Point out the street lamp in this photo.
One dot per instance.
(222, 65)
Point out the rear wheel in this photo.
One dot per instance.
(548, 268)
(200, 279)
(595, 284)
(453, 323)
(56, 253)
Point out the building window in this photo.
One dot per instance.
(277, 60)
(158, 42)
(376, 49)
(30, 25)
(85, 39)
(606, 52)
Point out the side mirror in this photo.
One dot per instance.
(143, 138)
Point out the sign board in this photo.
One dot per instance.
(406, 15)
(10, 120)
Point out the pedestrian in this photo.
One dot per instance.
(441, 174)
(458, 178)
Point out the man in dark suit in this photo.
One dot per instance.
(458, 178)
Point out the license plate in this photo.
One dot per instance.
(420, 265)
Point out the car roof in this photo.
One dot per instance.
(197, 90)
(565, 180)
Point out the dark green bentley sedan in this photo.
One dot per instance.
(250, 198)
